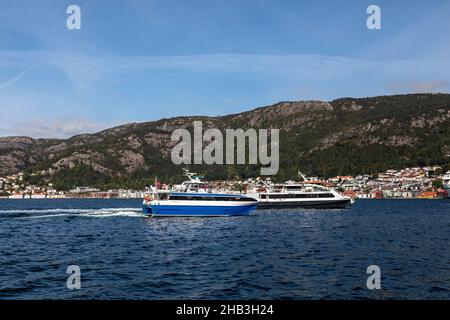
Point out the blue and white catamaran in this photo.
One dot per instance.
(193, 198)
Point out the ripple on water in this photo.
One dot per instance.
(286, 254)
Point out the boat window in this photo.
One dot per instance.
(163, 196)
(305, 195)
(293, 188)
(326, 195)
(209, 198)
(278, 196)
(300, 195)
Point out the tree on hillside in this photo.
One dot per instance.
(437, 184)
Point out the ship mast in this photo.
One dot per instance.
(192, 176)
(302, 176)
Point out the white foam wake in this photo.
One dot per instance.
(31, 211)
(61, 212)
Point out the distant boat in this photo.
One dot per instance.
(299, 195)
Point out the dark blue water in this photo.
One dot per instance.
(291, 254)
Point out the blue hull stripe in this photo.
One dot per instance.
(205, 211)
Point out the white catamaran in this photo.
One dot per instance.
(194, 198)
(299, 195)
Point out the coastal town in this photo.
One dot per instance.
(417, 182)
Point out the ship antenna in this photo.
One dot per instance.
(190, 175)
(301, 176)
(266, 185)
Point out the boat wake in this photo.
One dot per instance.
(55, 213)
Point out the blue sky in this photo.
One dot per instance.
(139, 60)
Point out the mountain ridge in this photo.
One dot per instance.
(343, 136)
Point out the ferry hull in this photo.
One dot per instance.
(201, 211)
(334, 204)
(147, 209)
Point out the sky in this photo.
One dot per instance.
(143, 60)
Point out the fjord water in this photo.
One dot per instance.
(283, 254)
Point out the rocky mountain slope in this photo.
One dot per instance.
(344, 136)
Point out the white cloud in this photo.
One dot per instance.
(12, 81)
(420, 86)
(325, 73)
(83, 69)
(56, 128)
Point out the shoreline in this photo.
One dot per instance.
(96, 198)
